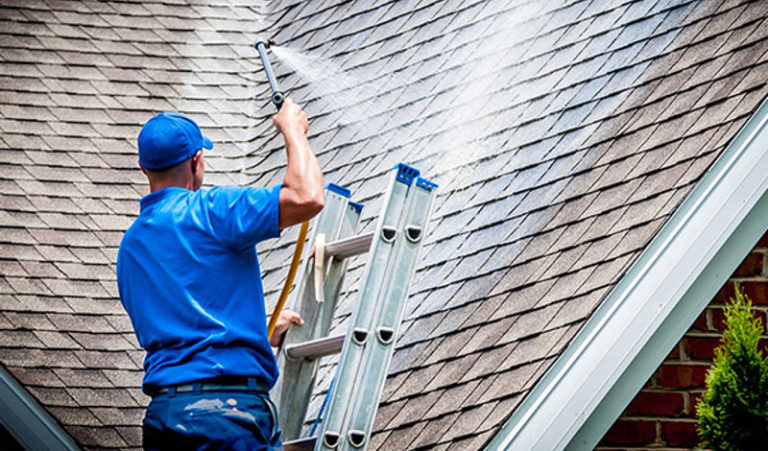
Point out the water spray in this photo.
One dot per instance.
(277, 99)
(261, 46)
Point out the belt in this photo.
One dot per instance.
(244, 384)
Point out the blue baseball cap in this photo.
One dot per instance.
(168, 139)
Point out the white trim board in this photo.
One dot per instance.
(652, 306)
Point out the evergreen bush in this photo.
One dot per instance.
(733, 412)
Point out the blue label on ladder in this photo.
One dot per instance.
(338, 189)
(406, 174)
(426, 184)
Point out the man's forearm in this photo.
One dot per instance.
(302, 173)
(302, 194)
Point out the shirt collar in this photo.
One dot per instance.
(156, 196)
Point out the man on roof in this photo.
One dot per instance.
(189, 278)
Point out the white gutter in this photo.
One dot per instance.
(652, 306)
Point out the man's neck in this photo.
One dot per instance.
(157, 185)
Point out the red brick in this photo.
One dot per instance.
(718, 319)
(757, 292)
(725, 294)
(679, 433)
(631, 432)
(701, 322)
(701, 348)
(763, 241)
(657, 403)
(751, 266)
(671, 375)
(675, 354)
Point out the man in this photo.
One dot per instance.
(188, 276)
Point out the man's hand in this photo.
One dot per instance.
(291, 120)
(284, 321)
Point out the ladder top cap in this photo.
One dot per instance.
(356, 205)
(406, 174)
(338, 189)
(426, 184)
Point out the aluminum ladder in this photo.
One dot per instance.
(368, 345)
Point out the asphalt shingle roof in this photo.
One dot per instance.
(563, 135)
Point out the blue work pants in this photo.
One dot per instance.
(220, 420)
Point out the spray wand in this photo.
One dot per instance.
(277, 95)
(277, 99)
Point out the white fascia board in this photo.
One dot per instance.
(652, 306)
(27, 421)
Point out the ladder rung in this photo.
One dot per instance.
(316, 348)
(349, 247)
(301, 444)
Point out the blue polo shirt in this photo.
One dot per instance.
(189, 278)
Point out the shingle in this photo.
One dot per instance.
(33, 357)
(474, 289)
(19, 339)
(41, 377)
(386, 412)
(101, 397)
(432, 430)
(131, 434)
(450, 399)
(117, 417)
(56, 340)
(98, 437)
(448, 346)
(403, 437)
(107, 360)
(74, 416)
(82, 377)
(469, 420)
(420, 378)
(414, 408)
(107, 342)
(86, 323)
(53, 396)
(28, 320)
(124, 378)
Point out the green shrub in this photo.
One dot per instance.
(733, 412)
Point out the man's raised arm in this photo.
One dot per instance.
(302, 195)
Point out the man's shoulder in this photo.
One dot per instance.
(228, 194)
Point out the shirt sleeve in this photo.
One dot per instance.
(241, 217)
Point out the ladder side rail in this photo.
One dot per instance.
(292, 390)
(381, 348)
(357, 336)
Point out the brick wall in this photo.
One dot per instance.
(663, 415)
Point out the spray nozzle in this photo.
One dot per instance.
(267, 43)
(261, 46)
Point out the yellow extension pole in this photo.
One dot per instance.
(289, 281)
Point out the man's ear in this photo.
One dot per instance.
(195, 160)
(138, 162)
